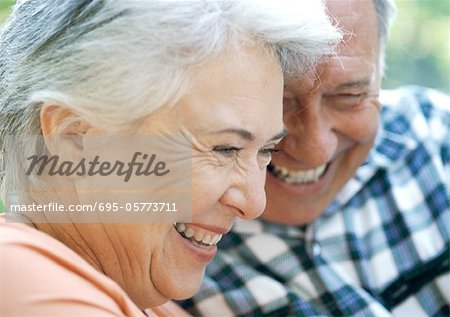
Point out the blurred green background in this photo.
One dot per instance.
(4, 8)
(419, 47)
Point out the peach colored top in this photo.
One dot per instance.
(40, 276)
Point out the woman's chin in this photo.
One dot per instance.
(144, 301)
(186, 293)
(179, 288)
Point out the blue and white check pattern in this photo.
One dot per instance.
(380, 249)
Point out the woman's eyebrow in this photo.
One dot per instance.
(247, 135)
(244, 134)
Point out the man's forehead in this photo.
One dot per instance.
(359, 50)
(356, 60)
(348, 8)
(357, 19)
(346, 71)
(338, 73)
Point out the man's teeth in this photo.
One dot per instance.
(298, 177)
(197, 236)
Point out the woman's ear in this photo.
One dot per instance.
(60, 120)
(64, 131)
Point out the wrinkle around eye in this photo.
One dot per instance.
(209, 159)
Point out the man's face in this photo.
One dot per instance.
(332, 120)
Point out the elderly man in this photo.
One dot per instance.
(358, 208)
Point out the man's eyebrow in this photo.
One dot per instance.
(355, 84)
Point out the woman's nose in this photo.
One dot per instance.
(246, 195)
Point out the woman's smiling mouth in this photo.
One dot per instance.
(197, 236)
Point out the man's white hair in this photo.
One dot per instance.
(385, 11)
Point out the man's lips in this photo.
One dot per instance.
(298, 177)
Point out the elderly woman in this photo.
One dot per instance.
(209, 72)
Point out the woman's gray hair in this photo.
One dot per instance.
(113, 62)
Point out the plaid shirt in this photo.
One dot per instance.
(380, 249)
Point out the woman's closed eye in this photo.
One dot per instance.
(227, 151)
(231, 152)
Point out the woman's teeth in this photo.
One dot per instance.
(298, 177)
(197, 236)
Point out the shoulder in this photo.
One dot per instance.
(414, 130)
(419, 112)
(23, 244)
(42, 277)
(425, 98)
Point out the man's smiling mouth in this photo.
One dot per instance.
(298, 177)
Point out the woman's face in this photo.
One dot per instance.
(232, 115)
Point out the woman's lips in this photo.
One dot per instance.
(199, 240)
(198, 234)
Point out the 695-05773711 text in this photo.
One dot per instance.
(109, 206)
